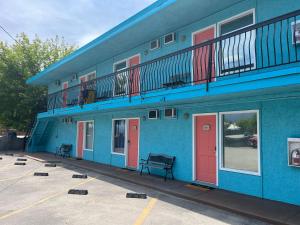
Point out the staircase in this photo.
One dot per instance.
(37, 135)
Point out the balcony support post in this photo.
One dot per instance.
(209, 66)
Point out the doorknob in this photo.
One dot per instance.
(128, 141)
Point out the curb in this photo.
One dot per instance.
(176, 194)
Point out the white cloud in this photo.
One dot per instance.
(78, 21)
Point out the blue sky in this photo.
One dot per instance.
(77, 21)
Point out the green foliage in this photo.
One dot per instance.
(20, 102)
(248, 126)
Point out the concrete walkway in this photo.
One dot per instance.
(269, 211)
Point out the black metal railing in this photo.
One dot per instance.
(267, 44)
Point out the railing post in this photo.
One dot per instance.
(54, 105)
(129, 84)
(209, 66)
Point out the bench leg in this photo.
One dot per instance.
(172, 174)
(141, 172)
(148, 170)
(165, 178)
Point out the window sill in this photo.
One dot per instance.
(116, 153)
(89, 150)
(241, 172)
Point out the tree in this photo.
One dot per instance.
(19, 102)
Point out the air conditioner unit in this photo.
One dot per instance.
(169, 38)
(170, 113)
(154, 44)
(296, 32)
(153, 114)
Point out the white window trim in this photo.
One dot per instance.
(170, 42)
(62, 85)
(158, 44)
(84, 136)
(112, 137)
(125, 154)
(120, 61)
(127, 61)
(87, 74)
(258, 173)
(127, 66)
(238, 16)
(230, 19)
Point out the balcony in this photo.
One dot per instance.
(265, 45)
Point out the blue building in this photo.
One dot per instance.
(214, 83)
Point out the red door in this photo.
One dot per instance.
(134, 75)
(65, 94)
(205, 141)
(80, 128)
(133, 143)
(201, 56)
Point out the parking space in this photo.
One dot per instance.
(28, 199)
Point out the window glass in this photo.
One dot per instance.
(240, 141)
(91, 76)
(119, 136)
(120, 66)
(236, 24)
(89, 135)
(121, 79)
(237, 52)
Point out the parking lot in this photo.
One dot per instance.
(28, 199)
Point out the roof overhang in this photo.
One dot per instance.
(161, 17)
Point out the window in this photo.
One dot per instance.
(89, 135)
(121, 66)
(237, 52)
(240, 141)
(87, 77)
(296, 32)
(169, 38)
(154, 44)
(119, 136)
(121, 78)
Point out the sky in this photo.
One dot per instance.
(79, 22)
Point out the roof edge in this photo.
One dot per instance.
(140, 16)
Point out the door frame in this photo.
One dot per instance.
(192, 42)
(83, 141)
(194, 149)
(125, 154)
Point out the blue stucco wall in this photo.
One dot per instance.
(279, 117)
(174, 137)
(262, 12)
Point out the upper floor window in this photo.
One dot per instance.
(237, 23)
(120, 78)
(120, 66)
(237, 52)
(88, 77)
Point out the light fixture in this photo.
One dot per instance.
(186, 115)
